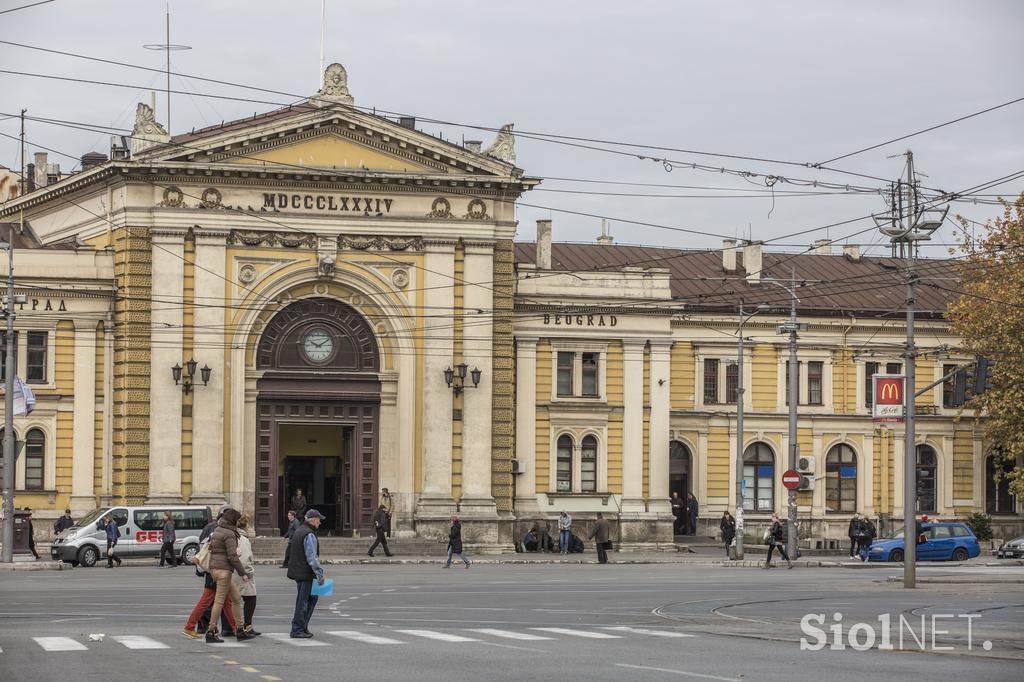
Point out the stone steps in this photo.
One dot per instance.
(337, 546)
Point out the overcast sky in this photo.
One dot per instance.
(792, 81)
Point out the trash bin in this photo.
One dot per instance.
(732, 552)
(21, 531)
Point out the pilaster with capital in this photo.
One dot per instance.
(526, 422)
(84, 433)
(659, 400)
(633, 426)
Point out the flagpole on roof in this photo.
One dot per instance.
(323, 16)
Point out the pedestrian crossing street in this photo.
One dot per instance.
(381, 637)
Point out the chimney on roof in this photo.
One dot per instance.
(474, 145)
(606, 237)
(407, 122)
(93, 159)
(823, 247)
(729, 255)
(543, 245)
(40, 174)
(851, 252)
(752, 261)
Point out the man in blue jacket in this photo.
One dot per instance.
(304, 567)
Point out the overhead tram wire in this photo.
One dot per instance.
(34, 4)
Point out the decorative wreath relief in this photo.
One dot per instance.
(173, 197)
(400, 278)
(211, 198)
(441, 208)
(247, 273)
(477, 210)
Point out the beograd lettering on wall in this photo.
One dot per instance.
(327, 202)
(41, 304)
(567, 320)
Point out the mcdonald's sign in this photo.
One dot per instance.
(888, 397)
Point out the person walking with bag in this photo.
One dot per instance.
(199, 620)
(388, 503)
(113, 533)
(728, 527)
(247, 588)
(304, 567)
(564, 533)
(599, 535)
(380, 526)
(224, 560)
(293, 525)
(167, 548)
(777, 540)
(455, 543)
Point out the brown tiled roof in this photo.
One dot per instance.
(828, 285)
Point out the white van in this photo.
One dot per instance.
(142, 533)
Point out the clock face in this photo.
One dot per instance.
(318, 345)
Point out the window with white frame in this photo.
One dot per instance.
(578, 373)
(588, 465)
(811, 382)
(577, 464)
(721, 381)
(758, 478)
(563, 464)
(35, 456)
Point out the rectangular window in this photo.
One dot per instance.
(565, 362)
(589, 367)
(947, 386)
(785, 388)
(149, 519)
(35, 371)
(894, 368)
(710, 382)
(870, 370)
(815, 370)
(732, 376)
(3, 354)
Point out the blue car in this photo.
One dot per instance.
(946, 542)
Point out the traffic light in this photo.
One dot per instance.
(959, 387)
(982, 367)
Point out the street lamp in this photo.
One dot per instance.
(456, 378)
(793, 391)
(739, 426)
(188, 380)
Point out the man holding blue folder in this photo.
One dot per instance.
(303, 568)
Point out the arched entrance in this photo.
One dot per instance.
(679, 480)
(317, 416)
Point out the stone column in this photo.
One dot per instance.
(658, 438)
(633, 426)
(164, 396)
(477, 498)
(436, 501)
(84, 436)
(208, 401)
(526, 423)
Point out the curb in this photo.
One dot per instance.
(964, 580)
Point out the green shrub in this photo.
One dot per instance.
(981, 524)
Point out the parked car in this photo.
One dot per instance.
(142, 533)
(947, 541)
(1014, 549)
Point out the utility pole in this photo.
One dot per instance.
(907, 224)
(739, 440)
(9, 369)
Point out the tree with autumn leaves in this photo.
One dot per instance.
(989, 316)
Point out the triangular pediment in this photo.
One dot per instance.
(336, 138)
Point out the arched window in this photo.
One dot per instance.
(588, 465)
(998, 499)
(841, 479)
(927, 465)
(759, 478)
(35, 454)
(563, 469)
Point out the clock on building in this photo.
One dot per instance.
(317, 345)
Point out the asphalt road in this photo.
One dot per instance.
(519, 622)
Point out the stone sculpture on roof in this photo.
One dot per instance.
(504, 146)
(147, 132)
(335, 87)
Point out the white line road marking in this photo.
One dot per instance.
(139, 642)
(508, 634)
(287, 638)
(684, 673)
(645, 631)
(363, 637)
(440, 636)
(578, 633)
(60, 644)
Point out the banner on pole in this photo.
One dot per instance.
(887, 405)
(24, 398)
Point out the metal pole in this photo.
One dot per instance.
(794, 397)
(739, 441)
(909, 443)
(9, 368)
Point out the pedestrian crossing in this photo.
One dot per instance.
(389, 637)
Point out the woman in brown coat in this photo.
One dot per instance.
(223, 562)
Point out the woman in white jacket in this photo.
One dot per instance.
(248, 588)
